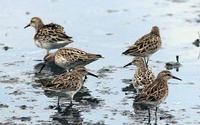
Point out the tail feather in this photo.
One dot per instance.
(126, 52)
(99, 56)
(94, 56)
(133, 49)
(45, 82)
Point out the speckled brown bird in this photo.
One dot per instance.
(155, 93)
(50, 36)
(69, 82)
(146, 45)
(68, 58)
(142, 76)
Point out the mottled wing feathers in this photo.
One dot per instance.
(56, 27)
(76, 55)
(66, 81)
(153, 92)
(147, 77)
(146, 44)
(52, 33)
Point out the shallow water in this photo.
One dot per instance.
(108, 28)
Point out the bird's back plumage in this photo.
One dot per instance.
(146, 45)
(52, 33)
(153, 93)
(71, 57)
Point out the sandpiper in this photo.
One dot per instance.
(143, 76)
(68, 58)
(69, 82)
(50, 36)
(146, 45)
(155, 93)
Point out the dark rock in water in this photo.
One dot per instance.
(103, 71)
(23, 106)
(178, 1)
(8, 79)
(196, 43)
(129, 88)
(27, 13)
(3, 106)
(17, 92)
(6, 48)
(127, 81)
(25, 118)
(51, 107)
(112, 11)
(21, 118)
(109, 34)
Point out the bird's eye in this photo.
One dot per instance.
(168, 74)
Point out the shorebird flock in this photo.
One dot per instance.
(151, 90)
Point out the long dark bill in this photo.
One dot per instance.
(27, 26)
(128, 64)
(174, 77)
(89, 73)
(42, 67)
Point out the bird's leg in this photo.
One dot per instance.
(47, 51)
(71, 99)
(58, 104)
(156, 115)
(85, 79)
(68, 108)
(70, 104)
(146, 61)
(149, 113)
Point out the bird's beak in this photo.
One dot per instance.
(91, 74)
(27, 26)
(128, 64)
(42, 67)
(174, 77)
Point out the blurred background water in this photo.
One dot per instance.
(108, 28)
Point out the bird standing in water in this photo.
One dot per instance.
(155, 93)
(50, 36)
(143, 76)
(68, 58)
(69, 82)
(146, 45)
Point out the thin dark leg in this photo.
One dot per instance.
(42, 67)
(71, 99)
(71, 104)
(144, 58)
(177, 69)
(58, 104)
(149, 113)
(68, 108)
(145, 61)
(85, 79)
(156, 115)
